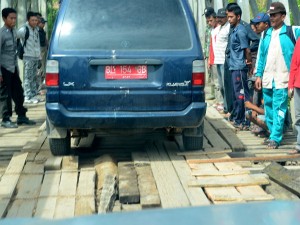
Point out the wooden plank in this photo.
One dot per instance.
(231, 138)
(86, 184)
(65, 208)
(170, 189)
(29, 186)
(33, 168)
(131, 207)
(219, 173)
(195, 153)
(128, 185)
(213, 137)
(8, 184)
(227, 181)
(4, 202)
(50, 184)
(149, 196)
(45, 208)
(17, 163)
(284, 177)
(255, 197)
(70, 163)
(108, 194)
(256, 159)
(68, 183)
(280, 193)
(53, 163)
(196, 195)
(21, 208)
(85, 205)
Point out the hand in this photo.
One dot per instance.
(1, 79)
(258, 83)
(291, 92)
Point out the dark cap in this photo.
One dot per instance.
(208, 11)
(43, 20)
(261, 17)
(276, 7)
(221, 13)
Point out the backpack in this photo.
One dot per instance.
(289, 33)
(20, 47)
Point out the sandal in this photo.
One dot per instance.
(266, 141)
(295, 151)
(272, 145)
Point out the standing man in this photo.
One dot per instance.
(209, 12)
(32, 54)
(219, 51)
(10, 83)
(44, 46)
(275, 54)
(239, 64)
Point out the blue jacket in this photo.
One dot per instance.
(287, 47)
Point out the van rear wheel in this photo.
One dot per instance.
(193, 138)
(60, 146)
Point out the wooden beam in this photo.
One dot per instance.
(227, 181)
(256, 159)
(284, 177)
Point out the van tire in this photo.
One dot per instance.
(194, 141)
(60, 146)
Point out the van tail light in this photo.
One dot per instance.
(52, 73)
(198, 77)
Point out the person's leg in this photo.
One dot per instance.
(30, 72)
(5, 99)
(280, 99)
(297, 115)
(220, 68)
(268, 106)
(17, 95)
(228, 88)
(5, 95)
(239, 116)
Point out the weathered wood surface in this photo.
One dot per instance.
(171, 192)
(128, 184)
(149, 196)
(284, 177)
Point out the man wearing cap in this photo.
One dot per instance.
(44, 46)
(219, 54)
(209, 13)
(275, 54)
(261, 22)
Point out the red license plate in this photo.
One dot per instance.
(126, 72)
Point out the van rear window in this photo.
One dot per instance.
(124, 25)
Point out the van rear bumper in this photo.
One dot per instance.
(192, 116)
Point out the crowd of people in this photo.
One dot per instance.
(254, 70)
(33, 39)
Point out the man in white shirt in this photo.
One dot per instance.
(274, 59)
(220, 45)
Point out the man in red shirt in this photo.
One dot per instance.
(294, 90)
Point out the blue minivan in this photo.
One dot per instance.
(124, 66)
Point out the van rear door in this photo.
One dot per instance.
(133, 55)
